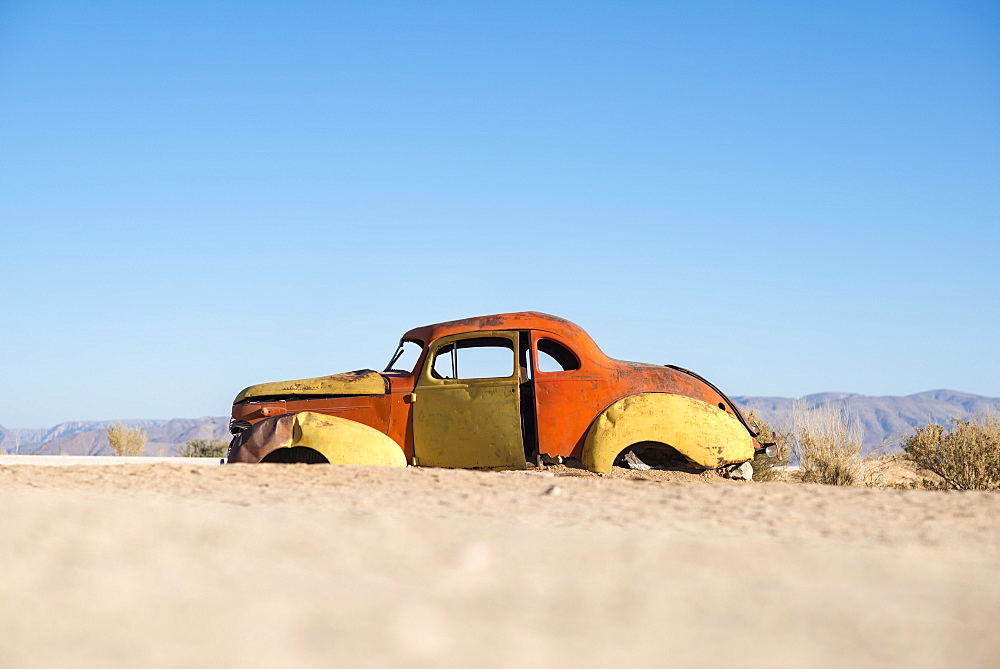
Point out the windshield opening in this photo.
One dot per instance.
(405, 357)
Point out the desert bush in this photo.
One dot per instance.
(826, 441)
(766, 468)
(126, 440)
(966, 457)
(205, 448)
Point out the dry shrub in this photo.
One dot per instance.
(767, 468)
(205, 448)
(827, 443)
(126, 440)
(967, 457)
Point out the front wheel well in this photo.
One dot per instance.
(296, 454)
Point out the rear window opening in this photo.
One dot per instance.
(554, 357)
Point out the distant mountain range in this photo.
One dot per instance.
(164, 437)
(885, 420)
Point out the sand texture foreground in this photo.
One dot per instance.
(308, 566)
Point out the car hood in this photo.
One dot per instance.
(360, 382)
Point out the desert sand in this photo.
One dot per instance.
(166, 565)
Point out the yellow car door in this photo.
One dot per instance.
(467, 408)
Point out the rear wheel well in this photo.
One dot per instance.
(309, 456)
(657, 455)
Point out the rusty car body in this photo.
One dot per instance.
(494, 392)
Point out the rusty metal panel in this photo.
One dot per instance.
(360, 382)
(339, 440)
(370, 410)
(568, 402)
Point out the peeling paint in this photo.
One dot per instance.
(706, 435)
(360, 382)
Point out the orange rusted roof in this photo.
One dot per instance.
(519, 320)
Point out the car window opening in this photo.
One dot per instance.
(406, 356)
(476, 358)
(554, 357)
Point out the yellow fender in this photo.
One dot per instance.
(341, 441)
(704, 434)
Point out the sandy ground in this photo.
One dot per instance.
(163, 565)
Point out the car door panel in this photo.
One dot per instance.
(468, 422)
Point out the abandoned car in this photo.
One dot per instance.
(495, 392)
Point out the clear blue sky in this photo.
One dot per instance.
(787, 197)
